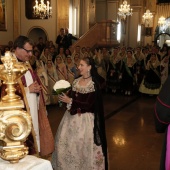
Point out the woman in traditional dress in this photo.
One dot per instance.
(106, 57)
(114, 75)
(122, 53)
(77, 50)
(140, 66)
(76, 61)
(128, 74)
(42, 74)
(80, 141)
(151, 83)
(67, 52)
(45, 56)
(61, 68)
(145, 52)
(71, 69)
(61, 54)
(52, 78)
(100, 64)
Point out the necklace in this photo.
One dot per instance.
(86, 77)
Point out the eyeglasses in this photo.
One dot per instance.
(28, 51)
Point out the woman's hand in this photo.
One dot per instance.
(64, 98)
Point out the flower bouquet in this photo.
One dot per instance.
(61, 86)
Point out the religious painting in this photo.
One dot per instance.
(29, 10)
(148, 31)
(3, 15)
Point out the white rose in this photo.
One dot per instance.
(61, 84)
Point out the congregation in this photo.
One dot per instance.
(125, 70)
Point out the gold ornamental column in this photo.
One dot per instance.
(15, 123)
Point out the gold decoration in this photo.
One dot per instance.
(124, 10)
(15, 123)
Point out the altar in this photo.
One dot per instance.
(27, 163)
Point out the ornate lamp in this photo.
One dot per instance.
(147, 17)
(15, 123)
(124, 10)
(42, 10)
(161, 21)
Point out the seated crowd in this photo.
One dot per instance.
(124, 69)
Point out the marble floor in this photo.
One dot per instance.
(133, 143)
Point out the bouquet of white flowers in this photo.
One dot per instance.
(61, 86)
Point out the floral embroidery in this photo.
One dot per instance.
(83, 89)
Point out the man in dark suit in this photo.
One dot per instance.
(61, 39)
(69, 39)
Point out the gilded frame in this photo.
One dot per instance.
(3, 22)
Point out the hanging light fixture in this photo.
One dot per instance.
(161, 21)
(124, 10)
(42, 10)
(147, 17)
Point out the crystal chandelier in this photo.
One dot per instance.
(161, 21)
(124, 10)
(42, 10)
(147, 17)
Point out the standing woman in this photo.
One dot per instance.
(99, 62)
(114, 75)
(151, 83)
(128, 74)
(80, 139)
(140, 66)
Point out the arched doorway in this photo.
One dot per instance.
(162, 38)
(162, 33)
(36, 32)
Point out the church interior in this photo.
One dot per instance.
(133, 143)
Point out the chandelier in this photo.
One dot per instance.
(124, 10)
(42, 10)
(147, 17)
(161, 21)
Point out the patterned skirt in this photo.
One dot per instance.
(74, 144)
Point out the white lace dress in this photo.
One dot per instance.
(74, 143)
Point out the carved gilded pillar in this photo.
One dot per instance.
(15, 123)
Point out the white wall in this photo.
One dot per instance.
(6, 36)
(133, 29)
